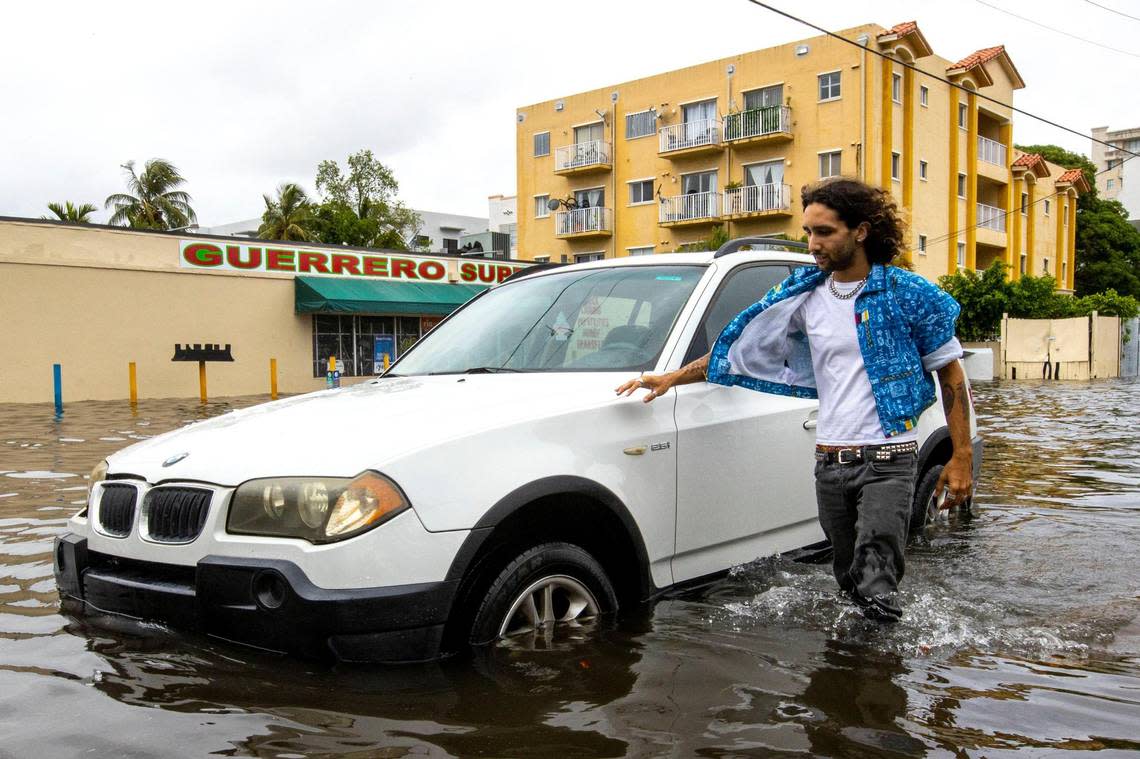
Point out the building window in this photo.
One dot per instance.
(924, 95)
(541, 144)
(1024, 203)
(582, 258)
(541, 209)
(922, 245)
(1045, 265)
(421, 242)
(1046, 206)
(513, 231)
(961, 185)
(896, 88)
(1111, 184)
(829, 85)
(640, 124)
(963, 116)
(359, 342)
(765, 97)
(829, 164)
(961, 255)
(450, 244)
(1065, 214)
(542, 259)
(1021, 265)
(645, 250)
(1064, 273)
(640, 191)
(896, 162)
(922, 170)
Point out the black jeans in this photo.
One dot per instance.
(864, 510)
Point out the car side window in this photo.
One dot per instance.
(741, 289)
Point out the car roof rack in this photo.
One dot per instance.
(734, 246)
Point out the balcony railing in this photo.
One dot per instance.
(991, 151)
(774, 119)
(990, 217)
(582, 154)
(583, 221)
(691, 207)
(691, 134)
(756, 198)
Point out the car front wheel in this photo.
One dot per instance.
(549, 587)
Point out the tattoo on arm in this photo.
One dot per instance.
(694, 371)
(947, 398)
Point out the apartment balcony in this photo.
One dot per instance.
(690, 210)
(991, 225)
(758, 200)
(769, 124)
(583, 158)
(584, 222)
(993, 160)
(690, 138)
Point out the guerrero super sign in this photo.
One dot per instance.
(207, 255)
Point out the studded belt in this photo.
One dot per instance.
(847, 454)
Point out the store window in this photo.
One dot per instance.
(359, 342)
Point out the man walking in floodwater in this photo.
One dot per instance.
(863, 336)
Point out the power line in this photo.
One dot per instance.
(1057, 31)
(955, 85)
(1113, 10)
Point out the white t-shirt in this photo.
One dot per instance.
(847, 413)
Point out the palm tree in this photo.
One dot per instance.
(153, 200)
(289, 217)
(80, 214)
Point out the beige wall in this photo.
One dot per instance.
(1061, 348)
(95, 299)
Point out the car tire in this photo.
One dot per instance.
(546, 587)
(924, 509)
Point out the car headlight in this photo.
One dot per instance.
(98, 474)
(316, 509)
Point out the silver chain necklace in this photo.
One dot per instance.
(844, 295)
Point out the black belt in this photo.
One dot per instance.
(857, 454)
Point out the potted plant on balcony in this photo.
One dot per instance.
(732, 199)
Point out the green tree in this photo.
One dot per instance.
(80, 214)
(360, 206)
(152, 200)
(1107, 246)
(289, 216)
(983, 297)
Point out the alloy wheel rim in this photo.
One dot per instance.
(557, 599)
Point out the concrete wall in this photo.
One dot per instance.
(1130, 349)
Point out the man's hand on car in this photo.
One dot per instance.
(656, 384)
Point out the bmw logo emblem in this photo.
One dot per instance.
(175, 459)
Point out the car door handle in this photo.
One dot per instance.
(809, 424)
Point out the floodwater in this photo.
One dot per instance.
(1021, 632)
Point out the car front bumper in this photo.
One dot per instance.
(267, 603)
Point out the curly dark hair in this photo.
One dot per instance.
(856, 202)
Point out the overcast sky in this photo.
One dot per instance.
(242, 96)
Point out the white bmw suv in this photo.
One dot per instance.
(490, 485)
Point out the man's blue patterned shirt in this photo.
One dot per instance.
(900, 317)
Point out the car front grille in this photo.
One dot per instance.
(117, 509)
(176, 514)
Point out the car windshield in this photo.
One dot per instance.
(614, 319)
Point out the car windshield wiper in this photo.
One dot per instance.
(480, 370)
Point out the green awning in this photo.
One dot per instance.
(342, 295)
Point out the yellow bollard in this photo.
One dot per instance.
(273, 378)
(202, 380)
(134, 383)
(387, 362)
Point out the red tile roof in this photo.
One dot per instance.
(1070, 176)
(905, 27)
(1028, 160)
(1034, 162)
(978, 57)
(1076, 178)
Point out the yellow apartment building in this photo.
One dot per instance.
(656, 164)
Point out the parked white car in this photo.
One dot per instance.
(491, 484)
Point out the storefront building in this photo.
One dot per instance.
(97, 299)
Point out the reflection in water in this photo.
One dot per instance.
(1020, 632)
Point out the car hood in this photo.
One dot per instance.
(339, 433)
